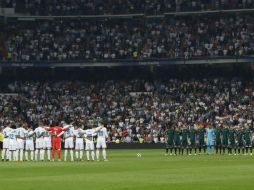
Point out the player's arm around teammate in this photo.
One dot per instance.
(29, 145)
(102, 137)
(69, 142)
(5, 152)
(79, 143)
(21, 141)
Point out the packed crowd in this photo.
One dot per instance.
(132, 110)
(137, 39)
(93, 7)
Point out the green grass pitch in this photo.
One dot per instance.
(124, 171)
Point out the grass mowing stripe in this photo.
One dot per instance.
(125, 171)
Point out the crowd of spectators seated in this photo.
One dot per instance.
(95, 7)
(138, 39)
(132, 109)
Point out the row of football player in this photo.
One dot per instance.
(222, 137)
(16, 140)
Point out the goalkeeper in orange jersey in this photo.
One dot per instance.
(56, 132)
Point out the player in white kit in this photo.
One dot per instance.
(47, 143)
(102, 136)
(89, 134)
(13, 144)
(5, 152)
(20, 134)
(79, 145)
(68, 140)
(39, 132)
(29, 144)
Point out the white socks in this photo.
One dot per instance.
(88, 155)
(32, 155)
(21, 154)
(65, 154)
(48, 152)
(15, 155)
(71, 152)
(41, 154)
(26, 155)
(10, 155)
(79, 155)
(92, 153)
(36, 154)
(104, 155)
(97, 154)
(5, 151)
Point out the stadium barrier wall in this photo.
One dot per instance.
(133, 145)
(136, 146)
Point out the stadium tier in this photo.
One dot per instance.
(100, 7)
(94, 40)
(132, 109)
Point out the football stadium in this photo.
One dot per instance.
(126, 94)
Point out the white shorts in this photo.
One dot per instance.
(47, 142)
(69, 143)
(39, 143)
(20, 144)
(12, 144)
(30, 145)
(79, 144)
(6, 143)
(101, 143)
(89, 145)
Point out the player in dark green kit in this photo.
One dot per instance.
(177, 140)
(232, 143)
(184, 144)
(170, 139)
(218, 139)
(192, 139)
(224, 132)
(248, 140)
(239, 134)
(201, 139)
